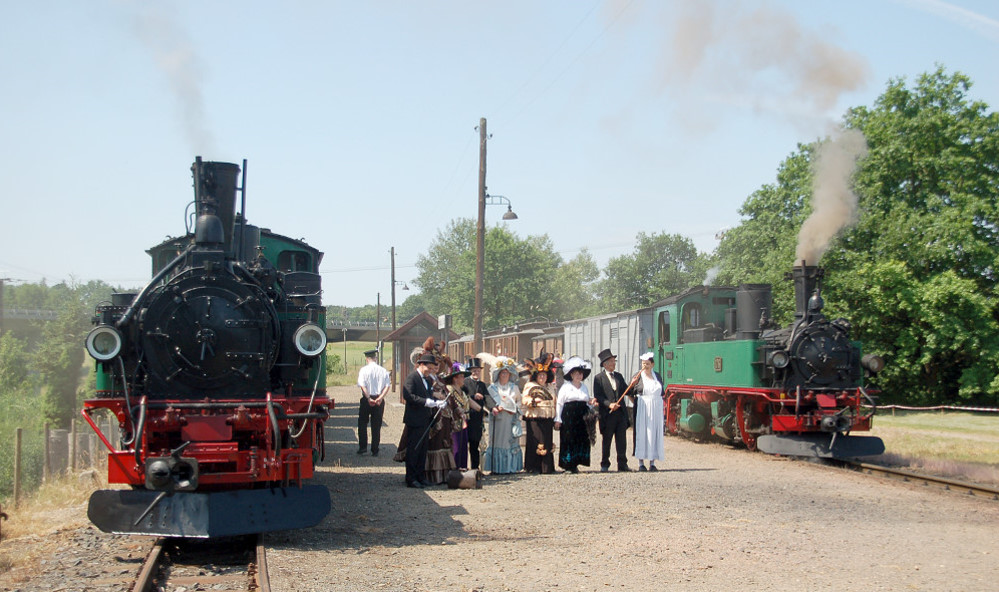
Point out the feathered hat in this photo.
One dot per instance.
(541, 364)
(504, 363)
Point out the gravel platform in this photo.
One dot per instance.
(715, 518)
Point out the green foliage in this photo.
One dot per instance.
(517, 282)
(13, 363)
(761, 249)
(573, 283)
(917, 275)
(661, 265)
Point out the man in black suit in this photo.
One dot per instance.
(608, 386)
(477, 394)
(421, 407)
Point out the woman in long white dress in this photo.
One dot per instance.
(504, 454)
(648, 416)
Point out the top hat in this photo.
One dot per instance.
(605, 355)
(426, 358)
(473, 363)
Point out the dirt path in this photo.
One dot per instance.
(716, 519)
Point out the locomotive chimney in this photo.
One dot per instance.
(215, 197)
(807, 279)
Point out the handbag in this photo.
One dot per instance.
(518, 427)
(591, 418)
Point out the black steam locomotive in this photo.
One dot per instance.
(215, 372)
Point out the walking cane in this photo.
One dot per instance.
(434, 420)
(634, 381)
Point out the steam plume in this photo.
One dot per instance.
(175, 56)
(711, 275)
(834, 204)
(761, 55)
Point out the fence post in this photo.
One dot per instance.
(72, 445)
(47, 464)
(17, 467)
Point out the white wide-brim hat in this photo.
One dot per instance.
(574, 363)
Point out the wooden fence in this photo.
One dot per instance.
(62, 452)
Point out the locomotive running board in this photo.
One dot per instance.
(206, 515)
(818, 445)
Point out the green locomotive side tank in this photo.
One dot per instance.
(690, 348)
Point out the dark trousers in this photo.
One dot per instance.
(615, 426)
(364, 413)
(416, 453)
(474, 439)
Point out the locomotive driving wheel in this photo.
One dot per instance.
(742, 420)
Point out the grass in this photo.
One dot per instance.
(355, 360)
(955, 444)
(60, 504)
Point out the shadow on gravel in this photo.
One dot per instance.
(370, 503)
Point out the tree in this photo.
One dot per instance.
(573, 284)
(917, 273)
(761, 249)
(660, 265)
(520, 280)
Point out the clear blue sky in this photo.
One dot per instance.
(608, 117)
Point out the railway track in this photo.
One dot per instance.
(965, 487)
(235, 562)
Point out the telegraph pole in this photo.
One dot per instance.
(480, 241)
(392, 251)
(2, 280)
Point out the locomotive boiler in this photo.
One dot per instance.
(730, 375)
(215, 373)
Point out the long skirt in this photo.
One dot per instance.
(459, 446)
(574, 440)
(649, 427)
(400, 450)
(440, 458)
(538, 455)
(503, 454)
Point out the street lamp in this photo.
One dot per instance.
(480, 257)
(493, 200)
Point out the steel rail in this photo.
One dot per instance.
(262, 575)
(974, 489)
(149, 568)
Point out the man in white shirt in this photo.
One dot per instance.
(374, 382)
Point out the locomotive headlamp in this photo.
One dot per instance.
(104, 343)
(872, 363)
(310, 340)
(780, 359)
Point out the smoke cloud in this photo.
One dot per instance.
(711, 275)
(175, 57)
(834, 204)
(759, 55)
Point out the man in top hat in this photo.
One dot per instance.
(374, 382)
(608, 386)
(421, 407)
(479, 403)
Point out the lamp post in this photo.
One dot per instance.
(480, 235)
(480, 257)
(395, 356)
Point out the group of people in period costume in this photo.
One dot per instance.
(450, 410)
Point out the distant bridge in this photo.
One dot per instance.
(336, 330)
(30, 314)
